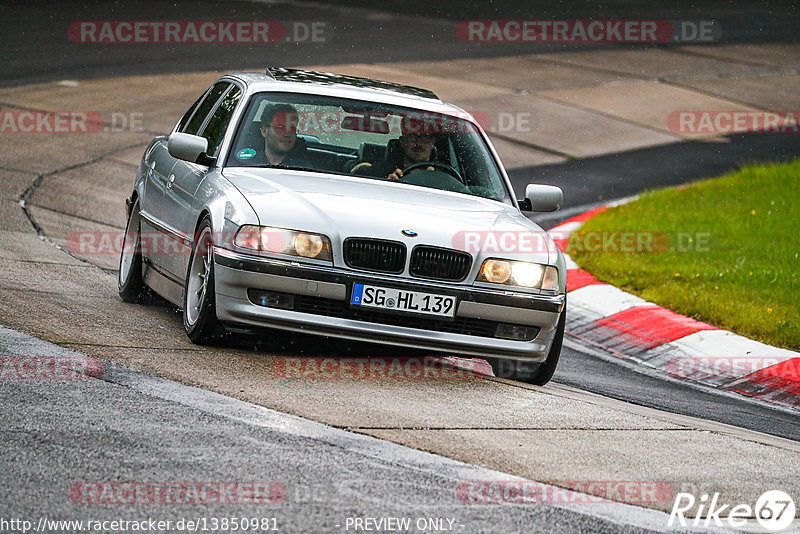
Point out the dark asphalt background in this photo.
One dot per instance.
(35, 47)
(589, 180)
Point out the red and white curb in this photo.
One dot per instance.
(638, 331)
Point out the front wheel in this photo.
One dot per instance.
(533, 373)
(199, 301)
(129, 282)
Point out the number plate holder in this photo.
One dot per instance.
(404, 301)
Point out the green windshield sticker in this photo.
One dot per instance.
(246, 153)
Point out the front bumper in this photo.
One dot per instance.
(329, 289)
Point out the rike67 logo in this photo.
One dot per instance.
(774, 510)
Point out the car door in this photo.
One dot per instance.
(181, 207)
(159, 169)
(159, 166)
(168, 242)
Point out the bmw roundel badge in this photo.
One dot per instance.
(409, 233)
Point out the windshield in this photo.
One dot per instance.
(368, 140)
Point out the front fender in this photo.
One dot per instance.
(225, 205)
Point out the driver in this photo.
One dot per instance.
(416, 149)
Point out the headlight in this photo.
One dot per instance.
(526, 274)
(495, 271)
(519, 273)
(308, 245)
(283, 241)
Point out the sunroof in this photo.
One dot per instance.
(310, 76)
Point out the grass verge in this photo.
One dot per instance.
(725, 251)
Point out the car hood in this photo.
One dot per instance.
(342, 206)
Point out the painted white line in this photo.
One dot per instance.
(716, 357)
(563, 231)
(717, 343)
(571, 265)
(604, 299)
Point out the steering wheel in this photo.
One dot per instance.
(443, 166)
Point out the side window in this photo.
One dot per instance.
(218, 124)
(205, 107)
(188, 114)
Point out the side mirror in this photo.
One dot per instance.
(188, 147)
(542, 198)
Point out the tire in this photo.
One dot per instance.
(533, 373)
(199, 300)
(129, 280)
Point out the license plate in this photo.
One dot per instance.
(386, 298)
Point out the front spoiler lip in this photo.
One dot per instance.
(378, 333)
(235, 260)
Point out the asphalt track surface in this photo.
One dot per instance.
(43, 56)
(130, 426)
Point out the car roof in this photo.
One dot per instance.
(327, 83)
(327, 78)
